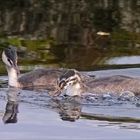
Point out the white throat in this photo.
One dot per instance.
(12, 77)
(73, 90)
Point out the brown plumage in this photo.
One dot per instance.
(114, 84)
(117, 84)
(36, 79)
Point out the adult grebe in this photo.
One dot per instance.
(39, 78)
(70, 83)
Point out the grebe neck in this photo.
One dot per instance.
(74, 90)
(12, 77)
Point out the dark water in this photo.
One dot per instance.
(96, 35)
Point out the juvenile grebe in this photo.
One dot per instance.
(39, 78)
(70, 83)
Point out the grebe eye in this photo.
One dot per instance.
(9, 61)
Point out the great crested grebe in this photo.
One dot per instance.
(70, 83)
(39, 78)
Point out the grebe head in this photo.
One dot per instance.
(9, 57)
(70, 83)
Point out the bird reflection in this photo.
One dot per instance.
(69, 108)
(11, 109)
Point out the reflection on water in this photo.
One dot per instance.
(39, 116)
(71, 41)
(124, 60)
(70, 108)
(95, 33)
(110, 118)
(11, 109)
(79, 58)
(74, 41)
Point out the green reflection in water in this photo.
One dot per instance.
(46, 53)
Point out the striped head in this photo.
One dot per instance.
(70, 83)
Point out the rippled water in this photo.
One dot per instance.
(71, 42)
(36, 116)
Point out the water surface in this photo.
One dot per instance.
(66, 34)
(40, 117)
